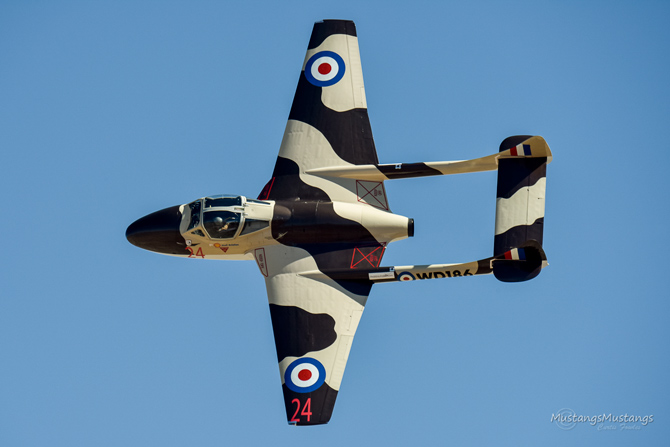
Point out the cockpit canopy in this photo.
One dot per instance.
(227, 217)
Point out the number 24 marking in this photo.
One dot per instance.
(197, 253)
(306, 409)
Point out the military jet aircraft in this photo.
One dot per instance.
(320, 226)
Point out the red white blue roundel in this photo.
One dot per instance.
(324, 68)
(406, 276)
(304, 375)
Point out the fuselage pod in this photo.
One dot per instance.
(232, 227)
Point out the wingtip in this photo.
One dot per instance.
(327, 27)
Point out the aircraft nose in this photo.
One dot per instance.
(158, 232)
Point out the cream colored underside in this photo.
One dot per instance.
(349, 92)
(286, 287)
(523, 208)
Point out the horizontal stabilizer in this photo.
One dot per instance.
(520, 193)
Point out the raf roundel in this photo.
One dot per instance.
(406, 276)
(325, 68)
(305, 375)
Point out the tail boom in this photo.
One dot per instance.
(530, 147)
(527, 257)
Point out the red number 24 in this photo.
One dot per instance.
(306, 409)
(198, 253)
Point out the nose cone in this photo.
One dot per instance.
(158, 232)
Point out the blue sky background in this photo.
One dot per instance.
(112, 110)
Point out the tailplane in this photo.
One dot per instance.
(522, 171)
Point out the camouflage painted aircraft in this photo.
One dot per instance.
(320, 226)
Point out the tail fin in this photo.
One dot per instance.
(522, 170)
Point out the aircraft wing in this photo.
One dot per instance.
(328, 124)
(314, 322)
(315, 319)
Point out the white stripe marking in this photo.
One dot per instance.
(523, 208)
(381, 275)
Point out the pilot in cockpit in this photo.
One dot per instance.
(221, 227)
